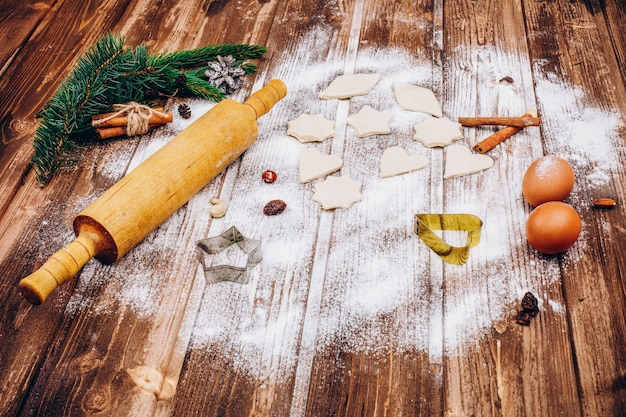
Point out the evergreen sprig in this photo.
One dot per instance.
(107, 74)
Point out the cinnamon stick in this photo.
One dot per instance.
(157, 118)
(523, 121)
(492, 141)
(116, 131)
(501, 135)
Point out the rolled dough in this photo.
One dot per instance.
(414, 98)
(314, 165)
(437, 132)
(311, 128)
(461, 161)
(346, 86)
(396, 161)
(337, 192)
(369, 121)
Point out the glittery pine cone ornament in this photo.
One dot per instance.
(224, 75)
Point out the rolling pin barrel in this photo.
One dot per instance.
(143, 199)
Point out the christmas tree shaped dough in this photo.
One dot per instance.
(311, 128)
(369, 121)
(461, 161)
(396, 161)
(337, 192)
(437, 132)
(314, 165)
(346, 86)
(414, 98)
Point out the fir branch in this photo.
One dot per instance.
(108, 74)
(194, 57)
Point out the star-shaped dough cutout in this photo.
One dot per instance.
(369, 121)
(346, 86)
(437, 132)
(337, 192)
(311, 128)
(414, 98)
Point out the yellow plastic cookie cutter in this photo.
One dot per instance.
(424, 224)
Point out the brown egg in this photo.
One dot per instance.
(550, 178)
(552, 227)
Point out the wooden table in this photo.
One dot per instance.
(349, 313)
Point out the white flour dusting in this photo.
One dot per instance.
(361, 314)
(258, 325)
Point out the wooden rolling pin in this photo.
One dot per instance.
(143, 199)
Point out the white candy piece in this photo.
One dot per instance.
(369, 121)
(414, 98)
(311, 128)
(437, 132)
(461, 161)
(218, 209)
(396, 161)
(314, 165)
(346, 86)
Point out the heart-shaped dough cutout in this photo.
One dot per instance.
(461, 161)
(314, 165)
(396, 161)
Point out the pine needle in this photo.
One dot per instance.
(107, 74)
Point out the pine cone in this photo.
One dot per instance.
(184, 111)
(181, 80)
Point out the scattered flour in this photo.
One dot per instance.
(366, 287)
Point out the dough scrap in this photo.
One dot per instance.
(369, 121)
(337, 192)
(346, 86)
(396, 161)
(414, 98)
(437, 132)
(311, 128)
(314, 165)
(461, 161)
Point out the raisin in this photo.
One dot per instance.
(523, 318)
(529, 301)
(274, 207)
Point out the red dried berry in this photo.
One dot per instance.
(274, 207)
(269, 176)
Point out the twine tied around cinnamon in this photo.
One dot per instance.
(138, 117)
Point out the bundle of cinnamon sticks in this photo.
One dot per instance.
(118, 125)
(513, 125)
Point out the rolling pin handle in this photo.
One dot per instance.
(264, 99)
(61, 266)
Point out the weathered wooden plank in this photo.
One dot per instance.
(33, 218)
(494, 366)
(247, 348)
(18, 19)
(349, 313)
(610, 16)
(132, 363)
(379, 335)
(582, 95)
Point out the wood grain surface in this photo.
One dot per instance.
(349, 313)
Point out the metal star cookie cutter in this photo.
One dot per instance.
(208, 251)
(424, 224)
